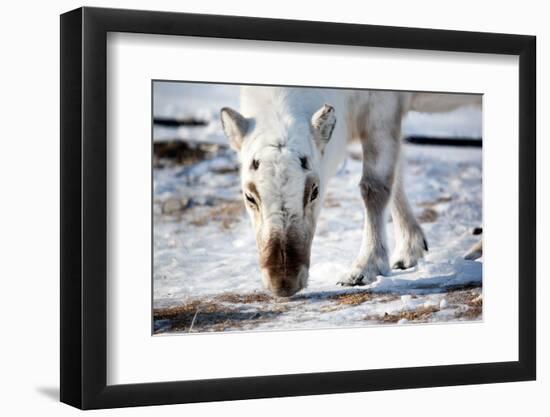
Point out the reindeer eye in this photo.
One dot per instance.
(250, 199)
(314, 193)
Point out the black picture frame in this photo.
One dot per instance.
(84, 207)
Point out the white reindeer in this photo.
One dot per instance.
(291, 141)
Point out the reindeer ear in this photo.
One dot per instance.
(234, 126)
(322, 123)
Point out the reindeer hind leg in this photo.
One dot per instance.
(410, 241)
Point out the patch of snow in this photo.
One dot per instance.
(205, 259)
(465, 122)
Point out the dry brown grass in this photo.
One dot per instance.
(330, 201)
(226, 214)
(211, 316)
(439, 200)
(221, 312)
(472, 313)
(422, 314)
(178, 152)
(472, 299)
(346, 300)
(187, 308)
(353, 299)
(244, 298)
(428, 215)
(234, 311)
(466, 299)
(356, 298)
(226, 170)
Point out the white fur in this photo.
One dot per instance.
(280, 128)
(283, 114)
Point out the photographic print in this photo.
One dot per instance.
(296, 198)
(298, 207)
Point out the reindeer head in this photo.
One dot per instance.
(282, 188)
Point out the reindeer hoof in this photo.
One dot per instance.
(366, 273)
(399, 265)
(407, 255)
(351, 281)
(406, 263)
(358, 278)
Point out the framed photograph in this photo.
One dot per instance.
(257, 208)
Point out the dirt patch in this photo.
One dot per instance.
(189, 307)
(343, 301)
(234, 311)
(226, 170)
(226, 214)
(244, 298)
(438, 200)
(352, 299)
(466, 300)
(174, 206)
(216, 314)
(331, 201)
(421, 314)
(428, 215)
(473, 300)
(181, 152)
(219, 321)
(471, 297)
(472, 313)
(357, 298)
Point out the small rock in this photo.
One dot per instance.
(172, 205)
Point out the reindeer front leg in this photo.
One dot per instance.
(380, 155)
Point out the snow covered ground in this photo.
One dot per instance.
(206, 275)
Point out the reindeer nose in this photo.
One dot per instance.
(285, 293)
(285, 290)
(285, 286)
(284, 263)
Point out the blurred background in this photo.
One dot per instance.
(190, 111)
